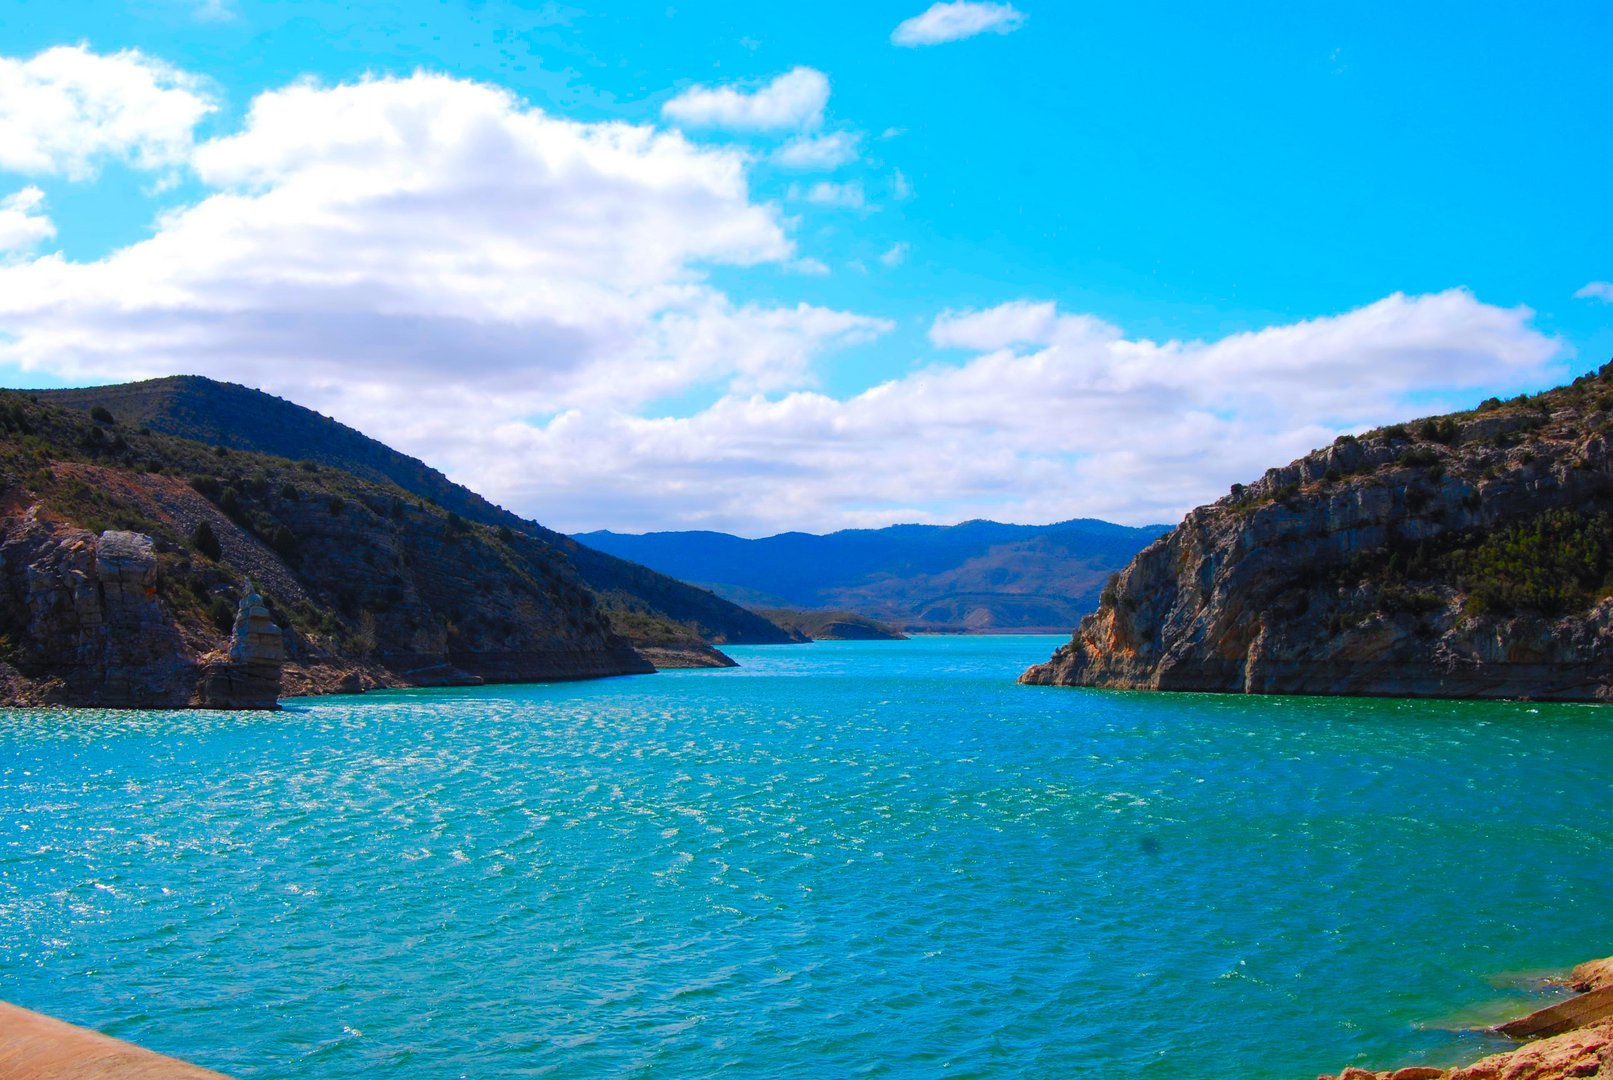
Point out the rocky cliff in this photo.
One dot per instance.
(126, 556)
(1468, 555)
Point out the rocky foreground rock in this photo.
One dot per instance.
(1468, 555)
(1583, 1050)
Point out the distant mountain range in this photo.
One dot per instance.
(654, 612)
(977, 576)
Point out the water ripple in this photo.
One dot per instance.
(850, 859)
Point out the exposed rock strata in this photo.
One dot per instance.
(1288, 585)
(250, 677)
(84, 608)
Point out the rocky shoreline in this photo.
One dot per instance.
(1466, 556)
(1572, 1038)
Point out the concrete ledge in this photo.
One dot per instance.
(38, 1047)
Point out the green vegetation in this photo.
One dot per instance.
(204, 540)
(1556, 563)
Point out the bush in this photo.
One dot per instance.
(1443, 430)
(102, 414)
(209, 487)
(205, 540)
(221, 613)
(283, 540)
(1111, 591)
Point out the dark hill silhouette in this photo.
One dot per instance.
(647, 607)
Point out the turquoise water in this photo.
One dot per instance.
(842, 859)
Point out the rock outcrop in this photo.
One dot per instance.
(250, 677)
(85, 607)
(1460, 556)
(1573, 1038)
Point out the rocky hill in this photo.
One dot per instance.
(1468, 555)
(980, 575)
(654, 611)
(125, 557)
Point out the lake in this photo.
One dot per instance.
(841, 859)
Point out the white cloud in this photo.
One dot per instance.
(437, 263)
(1020, 322)
(21, 229)
(215, 10)
(818, 151)
(955, 21)
(895, 255)
(365, 245)
(814, 267)
(1596, 290)
(67, 110)
(1080, 420)
(795, 99)
(847, 196)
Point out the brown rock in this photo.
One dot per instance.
(1592, 975)
(1576, 1053)
(1417, 1072)
(1353, 1073)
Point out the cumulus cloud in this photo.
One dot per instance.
(1596, 290)
(514, 296)
(1076, 418)
(848, 195)
(67, 110)
(21, 228)
(367, 244)
(818, 151)
(795, 99)
(955, 21)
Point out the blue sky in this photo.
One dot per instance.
(1227, 191)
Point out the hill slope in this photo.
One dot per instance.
(980, 575)
(124, 552)
(648, 608)
(1468, 555)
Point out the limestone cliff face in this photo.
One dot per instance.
(88, 603)
(1399, 563)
